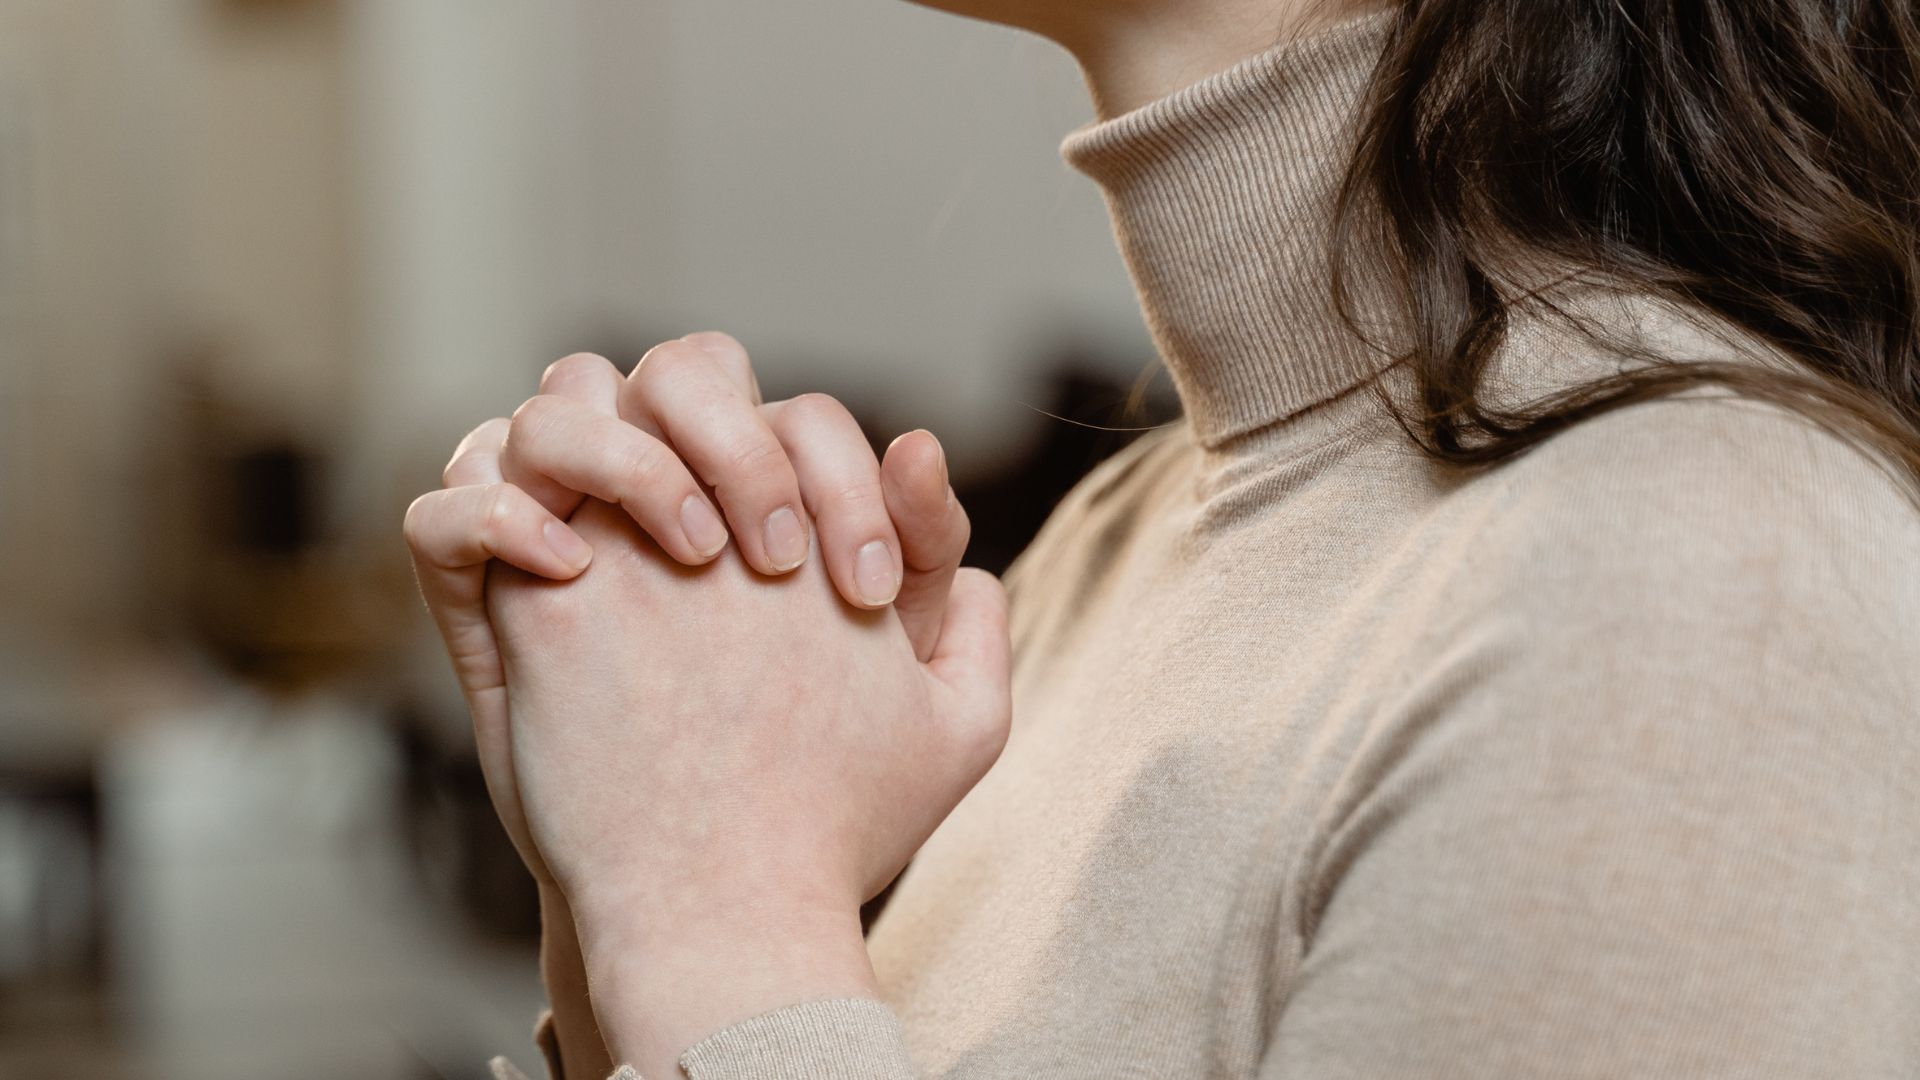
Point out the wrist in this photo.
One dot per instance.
(563, 970)
(659, 988)
(561, 963)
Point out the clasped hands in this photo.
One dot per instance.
(724, 675)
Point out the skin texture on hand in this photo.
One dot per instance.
(563, 970)
(511, 483)
(760, 699)
(709, 757)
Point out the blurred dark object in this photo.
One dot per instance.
(273, 502)
(50, 928)
(457, 843)
(1092, 417)
(250, 566)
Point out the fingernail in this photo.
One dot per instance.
(875, 575)
(942, 450)
(567, 545)
(704, 529)
(786, 540)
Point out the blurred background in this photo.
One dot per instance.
(262, 262)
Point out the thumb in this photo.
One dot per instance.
(933, 532)
(974, 661)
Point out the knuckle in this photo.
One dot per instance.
(499, 503)
(729, 356)
(716, 341)
(576, 366)
(668, 360)
(860, 496)
(532, 421)
(488, 435)
(817, 408)
(533, 409)
(536, 611)
(490, 431)
(755, 457)
(646, 467)
(413, 525)
(551, 618)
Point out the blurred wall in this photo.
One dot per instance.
(76, 286)
(172, 194)
(867, 193)
(368, 225)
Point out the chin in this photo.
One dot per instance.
(1035, 15)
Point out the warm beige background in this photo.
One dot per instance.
(384, 215)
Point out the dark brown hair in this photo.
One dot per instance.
(1759, 159)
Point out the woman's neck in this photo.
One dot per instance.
(1223, 197)
(1132, 54)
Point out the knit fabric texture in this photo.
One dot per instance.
(1329, 762)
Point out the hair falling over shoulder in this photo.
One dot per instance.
(1758, 160)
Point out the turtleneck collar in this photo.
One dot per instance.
(1221, 196)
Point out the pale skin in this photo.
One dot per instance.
(725, 672)
(1133, 51)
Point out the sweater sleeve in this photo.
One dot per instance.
(1651, 804)
(840, 1039)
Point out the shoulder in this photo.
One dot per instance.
(1650, 773)
(1703, 460)
(1708, 483)
(1700, 545)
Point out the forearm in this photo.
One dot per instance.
(663, 985)
(564, 971)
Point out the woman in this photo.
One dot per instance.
(1508, 667)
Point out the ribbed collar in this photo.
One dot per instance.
(1221, 195)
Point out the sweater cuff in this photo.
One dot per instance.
(839, 1039)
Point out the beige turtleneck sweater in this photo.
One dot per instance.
(1328, 763)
